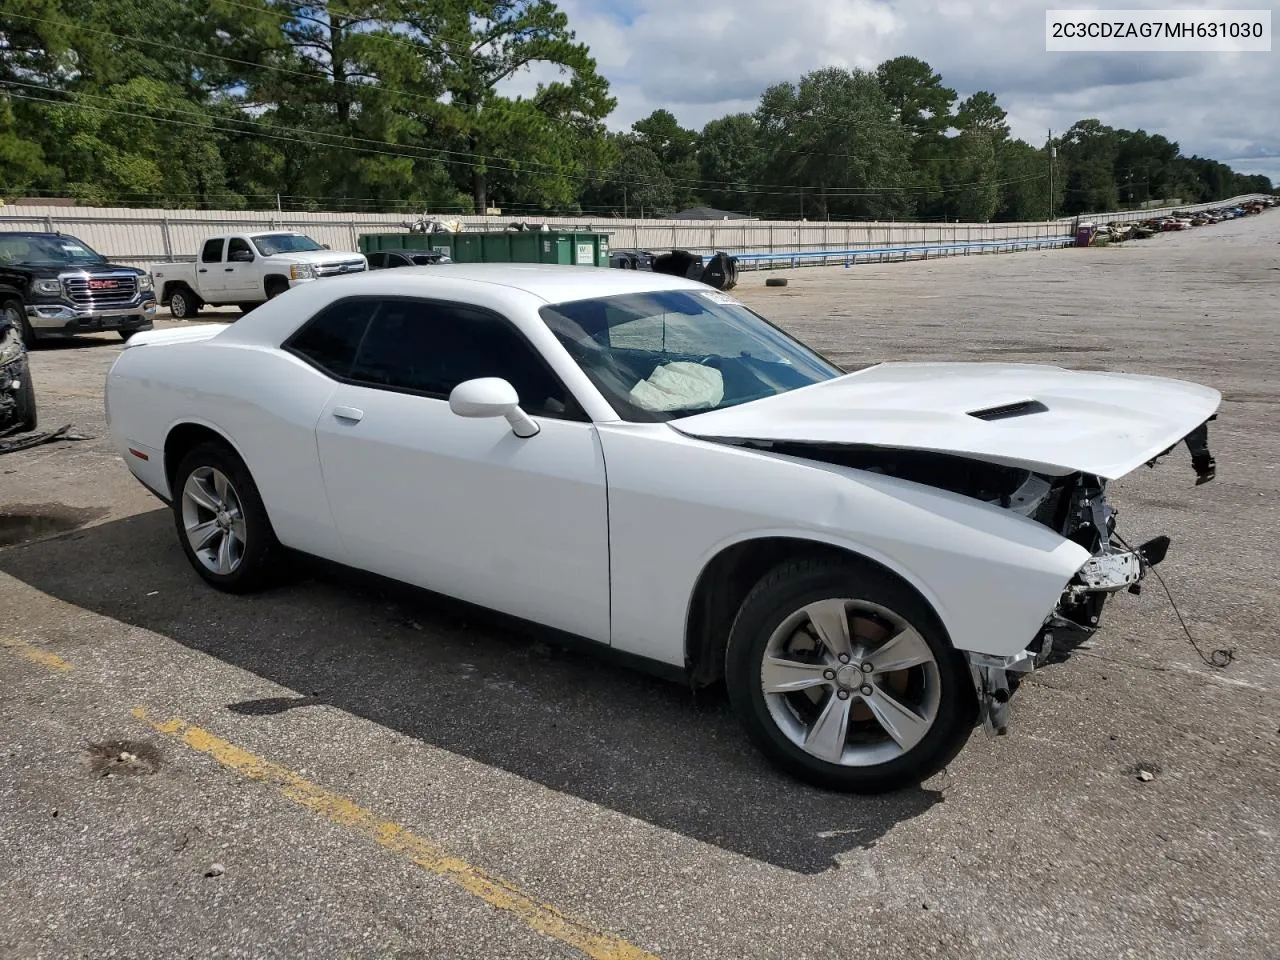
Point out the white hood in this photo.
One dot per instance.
(1105, 424)
(317, 257)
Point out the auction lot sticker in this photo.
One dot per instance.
(1160, 31)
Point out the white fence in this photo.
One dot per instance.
(144, 236)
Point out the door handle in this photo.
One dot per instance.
(204, 270)
(228, 269)
(350, 414)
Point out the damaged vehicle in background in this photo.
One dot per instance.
(870, 560)
(17, 395)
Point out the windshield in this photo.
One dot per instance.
(665, 354)
(273, 243)
(53, 249)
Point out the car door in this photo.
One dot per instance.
(209, 270)
(240, 275)
(464, 506)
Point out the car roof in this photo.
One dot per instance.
(552, 283)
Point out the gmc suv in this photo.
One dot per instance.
(53, 285)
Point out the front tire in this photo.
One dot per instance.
(843, 677)
(221, 521)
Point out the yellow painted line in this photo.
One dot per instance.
(46, 659)
(345, 812)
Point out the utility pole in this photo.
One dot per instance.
(624, 201)
(1051, 151)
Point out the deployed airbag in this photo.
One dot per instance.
(680, 385)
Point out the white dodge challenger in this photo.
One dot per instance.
(869, 560)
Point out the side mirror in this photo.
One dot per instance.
(240, 256)
(325, 245)
(492, 397)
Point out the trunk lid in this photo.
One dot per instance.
(1036, 416)
(188, 333)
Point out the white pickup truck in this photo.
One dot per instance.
(246, 269)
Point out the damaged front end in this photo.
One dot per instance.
(1082, 514)
(17, 398)
(1073, 505)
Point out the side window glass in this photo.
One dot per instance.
(212, 252)
(432, 347)
(330, 339)
(239, 245)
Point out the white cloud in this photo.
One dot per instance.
(702, 59)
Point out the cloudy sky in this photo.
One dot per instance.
(701, 59)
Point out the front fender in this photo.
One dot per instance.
(991, 575)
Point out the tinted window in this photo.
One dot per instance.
(376, 260)
(212, 252)
(430, 348)
(333, 335)
(238, 245)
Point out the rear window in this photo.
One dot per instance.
(332, 337)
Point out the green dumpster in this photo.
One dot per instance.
(468, 247)
(578, 248)
(525, 247)
(495, 247)
(554, 247)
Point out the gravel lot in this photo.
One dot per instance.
(426, 765)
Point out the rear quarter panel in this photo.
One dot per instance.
(166, 274)
(265, 403)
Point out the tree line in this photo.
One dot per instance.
(407, 105)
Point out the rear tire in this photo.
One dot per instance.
(182, 304)
(822, 708)
(221, 521)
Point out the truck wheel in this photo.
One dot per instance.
(843, 677)
(182, 304)
(275, 287)
(16, 314)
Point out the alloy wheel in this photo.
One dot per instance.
(850, 682)
(213, 520)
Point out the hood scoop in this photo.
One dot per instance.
(1006, 411)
